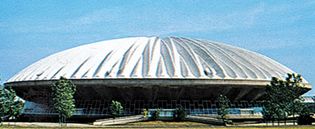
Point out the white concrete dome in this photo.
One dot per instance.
(154, 57)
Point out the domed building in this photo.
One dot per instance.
(151, 72)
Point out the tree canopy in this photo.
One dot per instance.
(116, 108)
(223, 107)
(283, 97)
(10, 105)
(63, 100)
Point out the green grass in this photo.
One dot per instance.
(283, 127)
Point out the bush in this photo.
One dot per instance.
(116, 109)
(305, 120)
(179, 114)
(145, 113)
(155, 114)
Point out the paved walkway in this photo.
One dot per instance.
(119, 120)
(46, 124)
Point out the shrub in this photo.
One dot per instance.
(145, 113)
(179, 114)
(155, 114)
(305, 120)
(116, 109)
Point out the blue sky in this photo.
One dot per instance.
(32, 29)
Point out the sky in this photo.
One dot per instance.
(283, 30)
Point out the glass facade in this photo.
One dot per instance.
(92, 108)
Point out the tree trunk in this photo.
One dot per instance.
(222, 117)
(278, 122)
(285, 118)
(65, 120)
(60, 119)
(294, 119)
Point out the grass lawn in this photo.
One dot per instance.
(283, 127)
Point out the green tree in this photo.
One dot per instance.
(223, 107)
(283, 97)
(267, 115)
(63, 100)
(116, 108)
(294, 83)
(10, 105)
(270, 105)
(277, 99)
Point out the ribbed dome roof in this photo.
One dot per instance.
(154, 57)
